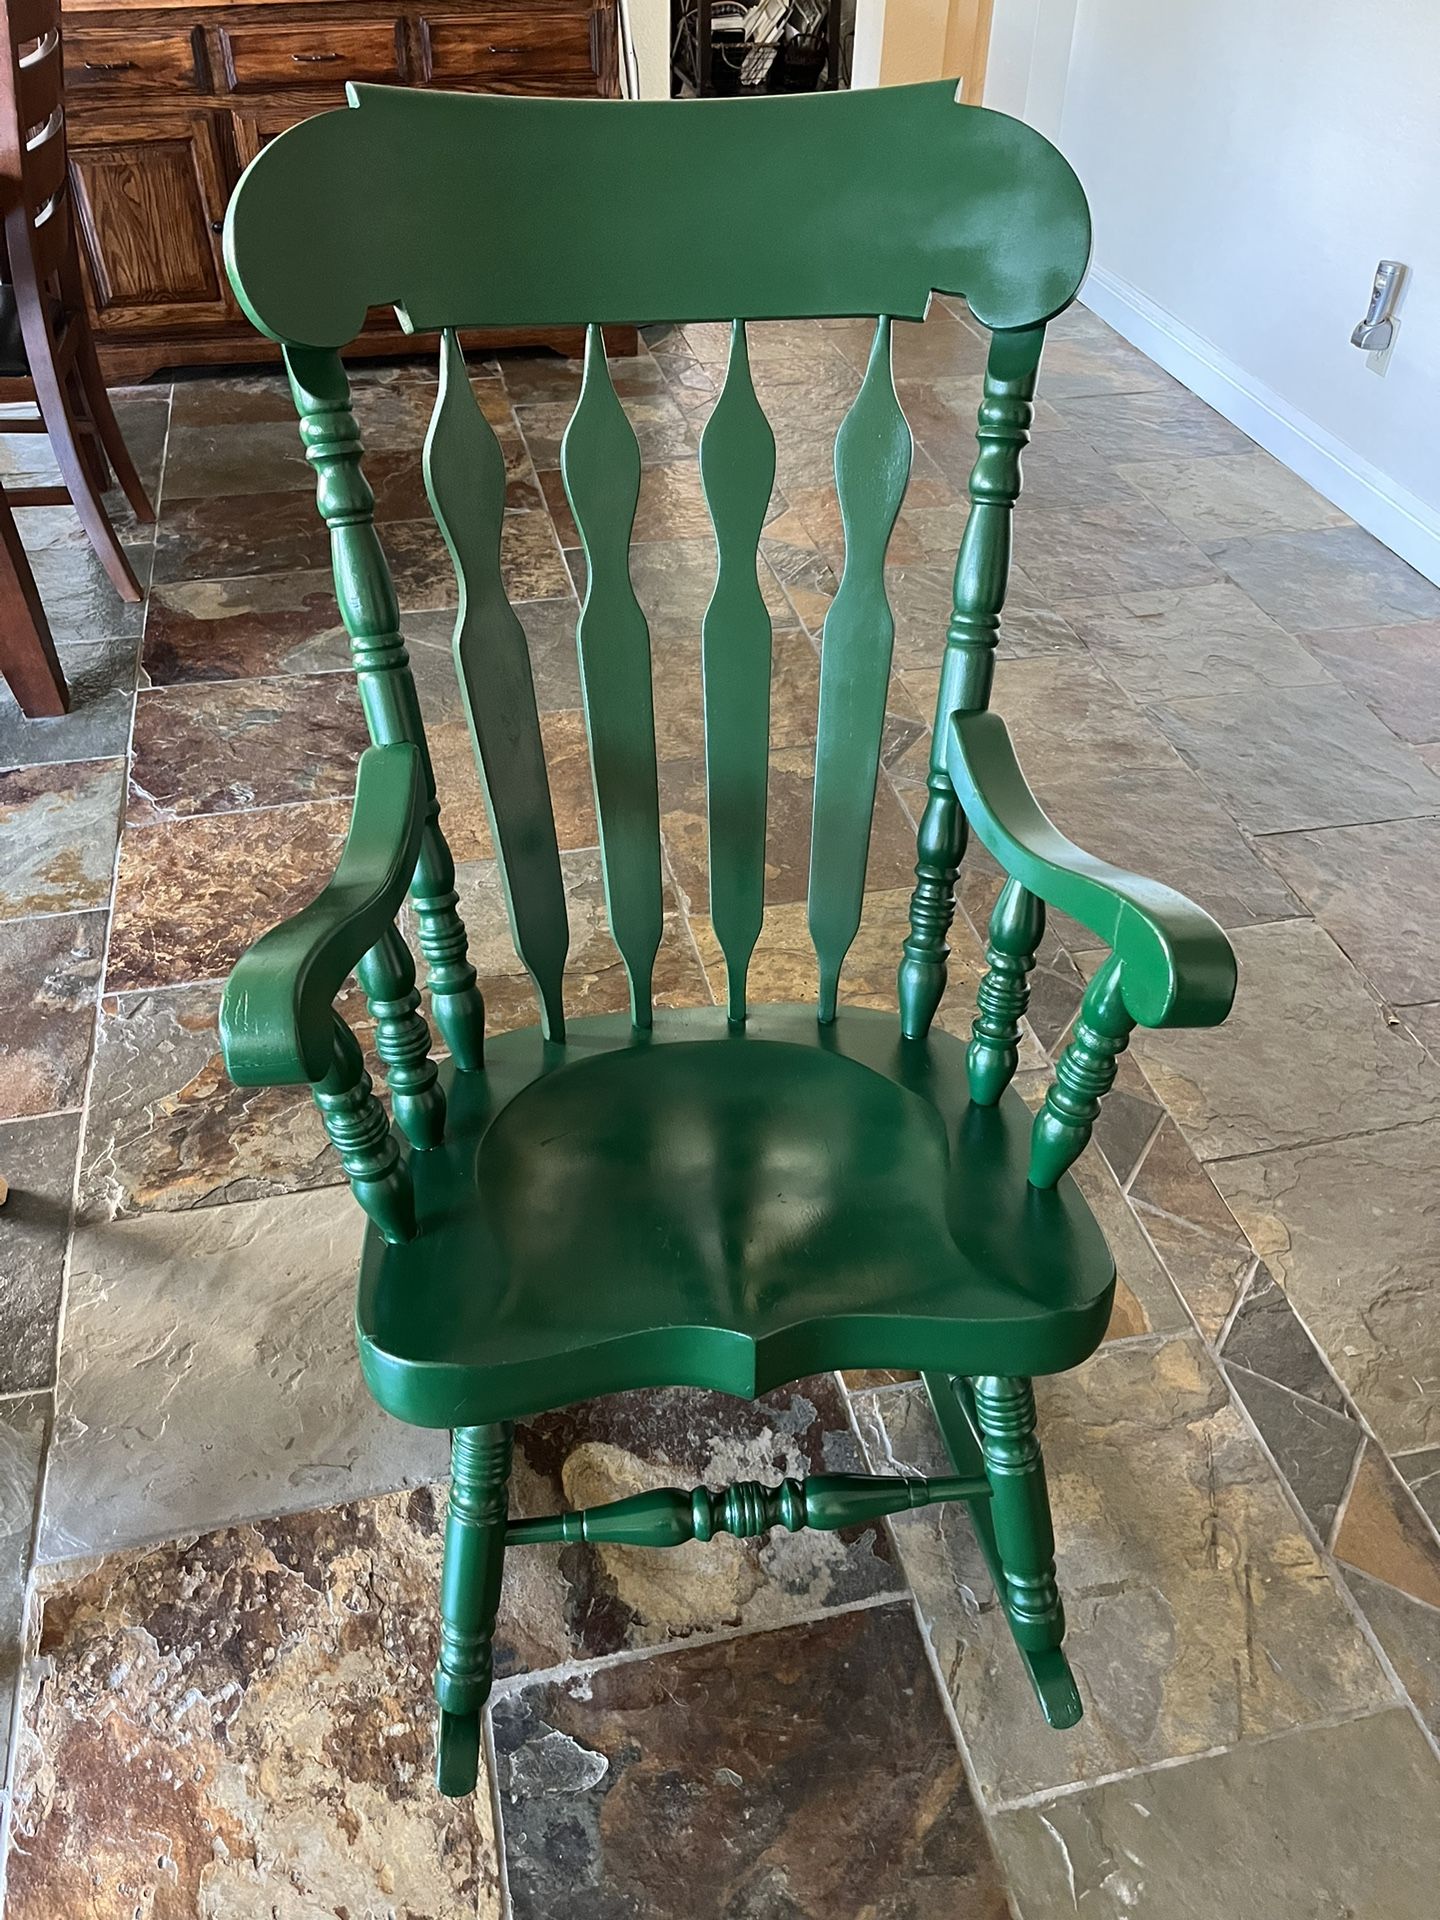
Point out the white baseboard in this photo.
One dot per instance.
(1399, 518)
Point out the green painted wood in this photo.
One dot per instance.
(982, 574)
(1084, 1074)
(724, 1207)
(737, 470)
(872, 467)
(275, 1015)
(402, 1039)
(1016, 926)
(600, 463)
(671, 1516)
(1020, 1508)
(1179, 968)
(359, 1131)
(1049, 1670)
(476, 210)
(465, 479)
(371, 615)
(470, 1596)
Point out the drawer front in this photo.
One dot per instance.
(324, 56)
(511, 49)
(100, 62)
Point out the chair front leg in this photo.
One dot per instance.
(470, 1596)
(1020, 1504)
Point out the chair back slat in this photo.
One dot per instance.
(737, 470)
(465, 478)
(600, 465)
(39, 79)
(872, 467)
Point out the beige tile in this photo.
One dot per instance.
(1199, 1614)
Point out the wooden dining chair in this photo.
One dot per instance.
(47, 354)
(728, 1197)
(29, 664)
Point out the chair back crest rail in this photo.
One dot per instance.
(492, 211)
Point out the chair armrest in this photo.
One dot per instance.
(276, 1024)
(1177, 968)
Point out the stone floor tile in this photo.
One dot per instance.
(1288, 1829)
(234, 629)
(1093, 548)
(1376, 891)
(1424, 1024)
(595, 980)
(1394, 670)
(208, 1374)
(1266, 1337)
(192, 894)
(1232, 496)
(1168, 423)
(232, 458)
(1145, 1301)
(166, 1129)
(1058, 706)
(1409, 1636)
(660, 424)
(531, 564)
(80, 601)
(1381, 1532)
(49, 980)
(101, 679)
(1207, 1270)
(1199, 1614)
(1420, 1471)
(463, 813)
(232, 746)
(679, 697)
(1181, 836)
(58, 826)
(581, 1603)
(1314, 758)
(37, 1159)
(1307, 1054)
(807, 1772)
(783, 968)
(684, 828)
(1338, 577)
(22, 1445)
(1100, 363)
(1207, 640)
(241, 1724)
(1314, 1447)
(1349, 1230)
(275, 531)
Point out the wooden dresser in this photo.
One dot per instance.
(166, 103)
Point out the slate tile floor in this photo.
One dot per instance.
(219, 1676)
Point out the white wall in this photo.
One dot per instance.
(650, 37)
(1248, 161)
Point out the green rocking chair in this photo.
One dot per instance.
(733, 1197)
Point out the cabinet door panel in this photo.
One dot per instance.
(149, 194)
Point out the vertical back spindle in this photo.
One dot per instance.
(465, 479)
(982, 574)
(872, 468)
(737, 470)
(600, 464)
(371, 614)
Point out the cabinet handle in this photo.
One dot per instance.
(217, 226)
(108, 66)
(313, 59)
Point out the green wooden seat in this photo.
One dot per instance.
(726, 1197)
